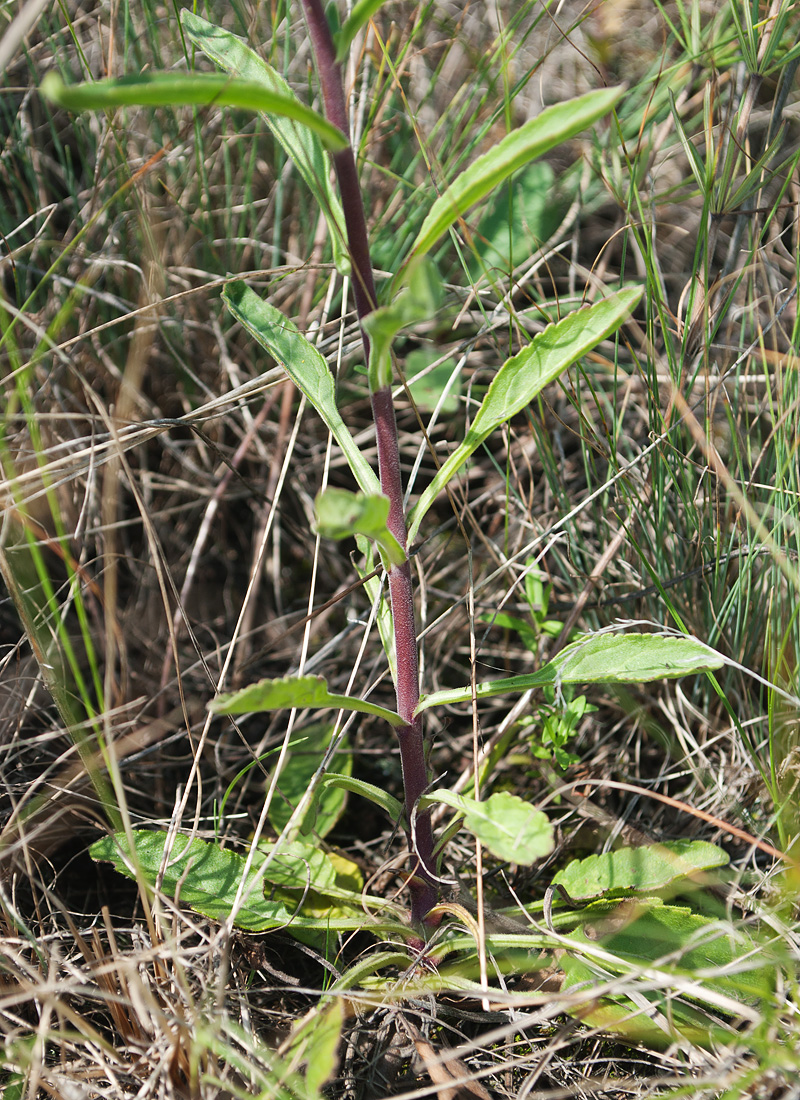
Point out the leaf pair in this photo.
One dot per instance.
(596, 658)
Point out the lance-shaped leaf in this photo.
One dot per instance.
(599, 658)
(304, 365)
(181, 89)
(550, 128)
(375, 794)
(510, 828)
(525, 375)
(301, 144)
(638, 870)
(341, 515)
(295, 691)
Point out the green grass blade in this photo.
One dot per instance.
(525, 375)
(552, 127)
(300, 143)
(180, 89)
(361, 14)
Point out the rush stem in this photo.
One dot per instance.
(412, 743)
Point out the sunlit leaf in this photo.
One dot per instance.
(180, 89)
(301, 144)
(341, 514)
(599, 658)
(525, 375)
(295, 691)
(206, 878)
(509, 827)
(702, 954)
(550, 128)
(638, 870)
(304, 365)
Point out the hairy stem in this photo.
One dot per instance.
(412, 743)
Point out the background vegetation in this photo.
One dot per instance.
(158, 481)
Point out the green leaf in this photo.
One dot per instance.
(206, 878)
(686, 944)
(600, 658)
(524, 376)
(301, 144)
(428, 386)
(315, 1042)
(298, 865)
(341, 515)
(647, 1019)
(632, 658)
(417, 301)
(298, 771)
(180, 89)
(377, 795)
(304, 365)
(362, 12)
(522, 216)
(638, 870)
(510, 828)
(295, 691)
(550, 128)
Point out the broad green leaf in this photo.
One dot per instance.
(686, 944)
(603, 659)
(180, 89)
(632, 658)
(342, 515)
(522, 215)
(644, 1017)
(298, 771)
(510, 828)
(301, 144)
(427, 386)
(638, 870)
(375, 794)
(362, 12)
(550, 128)
(304, 365)
(299, 865)
(206, 879)
(295, 691)
(315, 1041)
(524, 376)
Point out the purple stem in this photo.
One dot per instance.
(412, 745)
